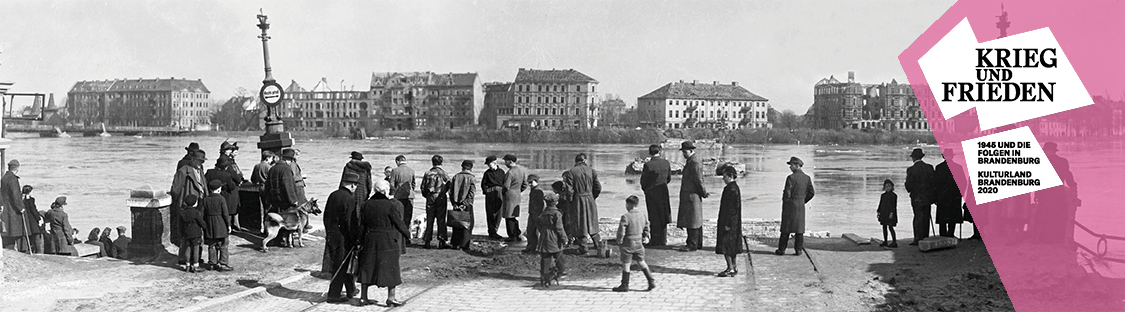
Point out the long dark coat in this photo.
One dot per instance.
(515, 182)
(946, 193)
(61, 231)
(655, 176)
(11, 198)
(690, 215)
(281, 188)
(583, 187)
(798, 191)
(918, 179)
(888, 209)
(552, 234)
(192, 224)
(32, 216)
(230, 186)
(339, 228)
(381, 225)
(217, 216)
(363, 188)
(188, 180)
(729, 231)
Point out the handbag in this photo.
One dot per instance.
(458, 219)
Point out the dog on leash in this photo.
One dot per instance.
(292, 220)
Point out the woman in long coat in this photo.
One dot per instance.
(729, 236)
(382, 230)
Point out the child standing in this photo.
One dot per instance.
(888, 213)
(218, 227)
(551, 238)
(631, 234)
(729, 236)
(191, 230)
(535, 205)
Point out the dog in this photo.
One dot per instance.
(293, 220)
(416, 226)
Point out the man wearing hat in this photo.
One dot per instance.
(798, 191)
(655, 176)
(947, 195)
(692, 193)
(229, 191)
(462, 190)
(62, 234)
(191, 148)
(918, 179)
(281, 184)
(492, 185)
(361, 169)
(1057, 205)
(340, 226)
(187, 181)
(11, 198)
(217, 232)
(515, 182)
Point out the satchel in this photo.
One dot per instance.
(458, 219)
(353, 260)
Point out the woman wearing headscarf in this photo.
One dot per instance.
(382, 232)
(92, 239)
(107, 243)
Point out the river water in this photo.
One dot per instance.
(97, 173)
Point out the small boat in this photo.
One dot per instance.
(638, 165)
(60, 133)
(104, 133)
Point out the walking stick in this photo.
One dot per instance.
(346, 259)
(25, 237)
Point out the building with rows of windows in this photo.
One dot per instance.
(853, 105)
(693, 104)
(322, 108)
(546, 99)
(426, 100)
(181, 103)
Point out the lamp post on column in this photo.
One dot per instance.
(252, 212)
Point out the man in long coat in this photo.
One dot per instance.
(187, 181)
(402, 189)
(11, 198)
(655, 176)
(918, 179)
(362, 169)
(340, 237)
(281, 184)
(798, 191)
(462, 190)
(492, 185)
(947, 195)
(515, 182)
(692, 193)
(583, 186)
(1057, 205)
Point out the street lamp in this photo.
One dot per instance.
(271, 95)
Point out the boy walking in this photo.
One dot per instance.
(631, 234)
(551, 238)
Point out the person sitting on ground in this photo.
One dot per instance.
(632, 231)
(110, 249)
(535, 204)
(122, 243)
(729, 231)
(888, 213)
(551, 237)
(92, 239)
(191, 230)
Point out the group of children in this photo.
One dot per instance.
(205, 221)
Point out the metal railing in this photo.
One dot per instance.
(1102, 247)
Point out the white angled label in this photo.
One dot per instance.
(1007, 164)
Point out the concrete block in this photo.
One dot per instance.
(936, 243)
(856, 239)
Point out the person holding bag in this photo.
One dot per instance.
(462, 189)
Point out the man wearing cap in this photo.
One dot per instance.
(692, 193)
(229, 190)
(340, 236)
(515, 182)
(11, 198)
(282, 184)
(1057, 205)
(362, 170)
(462, 190)
(402, 188)
(581, 183)
(434, 186)
(492, 185)
(798, 191)
(122, 243)
(187, 181)
(655, 176)
(229, 151)
(62, 234)
(947, 195)
(918, 179)
(259, 175)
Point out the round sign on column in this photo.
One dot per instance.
(271, 94)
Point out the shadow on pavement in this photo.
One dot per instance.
(508, 276)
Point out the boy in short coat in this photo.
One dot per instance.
(632, 232)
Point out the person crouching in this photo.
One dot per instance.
(631, 234)
(550, 239)
(218, 227)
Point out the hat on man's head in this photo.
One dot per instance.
(214, 184)
(14, 163)
(351, 177)
(190, 200)
(199, 154)
(917, 153)
(468, 163)
(289, 153)
(121, 229)
(510, 157)
(1050, 147)
(61, 200)
(223, 162)
(357, 155)
(192, 147)
(489, 159)
(228, 146)
(795, 160)
(687, 145)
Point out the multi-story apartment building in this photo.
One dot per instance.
(322, 108)
(181, 103)
(426, 100)
(549, 99)
(853, 105)
(693, 104)
(496, 95)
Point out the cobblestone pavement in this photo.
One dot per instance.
(685, 282)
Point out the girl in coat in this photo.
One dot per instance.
(191, 231)
(729, 236)
(888, 213)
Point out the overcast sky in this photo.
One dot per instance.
(776, 49)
